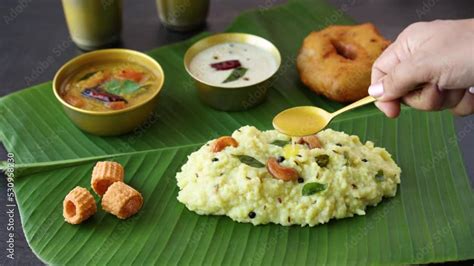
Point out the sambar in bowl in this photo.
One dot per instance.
(109, 92)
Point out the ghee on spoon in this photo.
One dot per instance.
(307, 120)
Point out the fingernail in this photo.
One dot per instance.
(471, 89)
(376, 90)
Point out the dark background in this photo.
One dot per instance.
(36, 28)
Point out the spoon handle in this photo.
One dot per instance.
(363, 101)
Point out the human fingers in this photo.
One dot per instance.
(427, 98)
(384, 63)
(452, 98)
(466, 105)
(390, 109)
(403, 78)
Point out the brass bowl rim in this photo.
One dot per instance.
(188, 52)
(108, 51)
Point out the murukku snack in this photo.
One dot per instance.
(104, 175)
(78, 205)
(122, 200)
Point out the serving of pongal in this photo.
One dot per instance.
(264, 177)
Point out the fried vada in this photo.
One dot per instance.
(336, 61)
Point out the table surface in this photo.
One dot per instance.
(31, 30)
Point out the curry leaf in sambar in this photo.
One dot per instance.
(112, 86)
(129, 86)
(121, 87)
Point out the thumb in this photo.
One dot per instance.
(406, 76)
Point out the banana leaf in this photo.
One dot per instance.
(430, 220)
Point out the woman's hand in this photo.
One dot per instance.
(430, 66)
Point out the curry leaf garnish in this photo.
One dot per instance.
(129, 86)
(281, 143)
(121, 87)
(249, 160)
(379, 176)
(236, 74)
(112, 86)
(322, 160)
(88, 75)
(313, 188)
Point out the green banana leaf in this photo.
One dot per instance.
(430, 220)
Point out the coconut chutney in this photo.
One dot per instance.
(233, 64)
(264, 177)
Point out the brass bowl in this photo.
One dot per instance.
(231, 98)
(114, 122)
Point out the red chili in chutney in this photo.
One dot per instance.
(226, 65)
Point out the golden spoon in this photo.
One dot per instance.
(308, 120)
